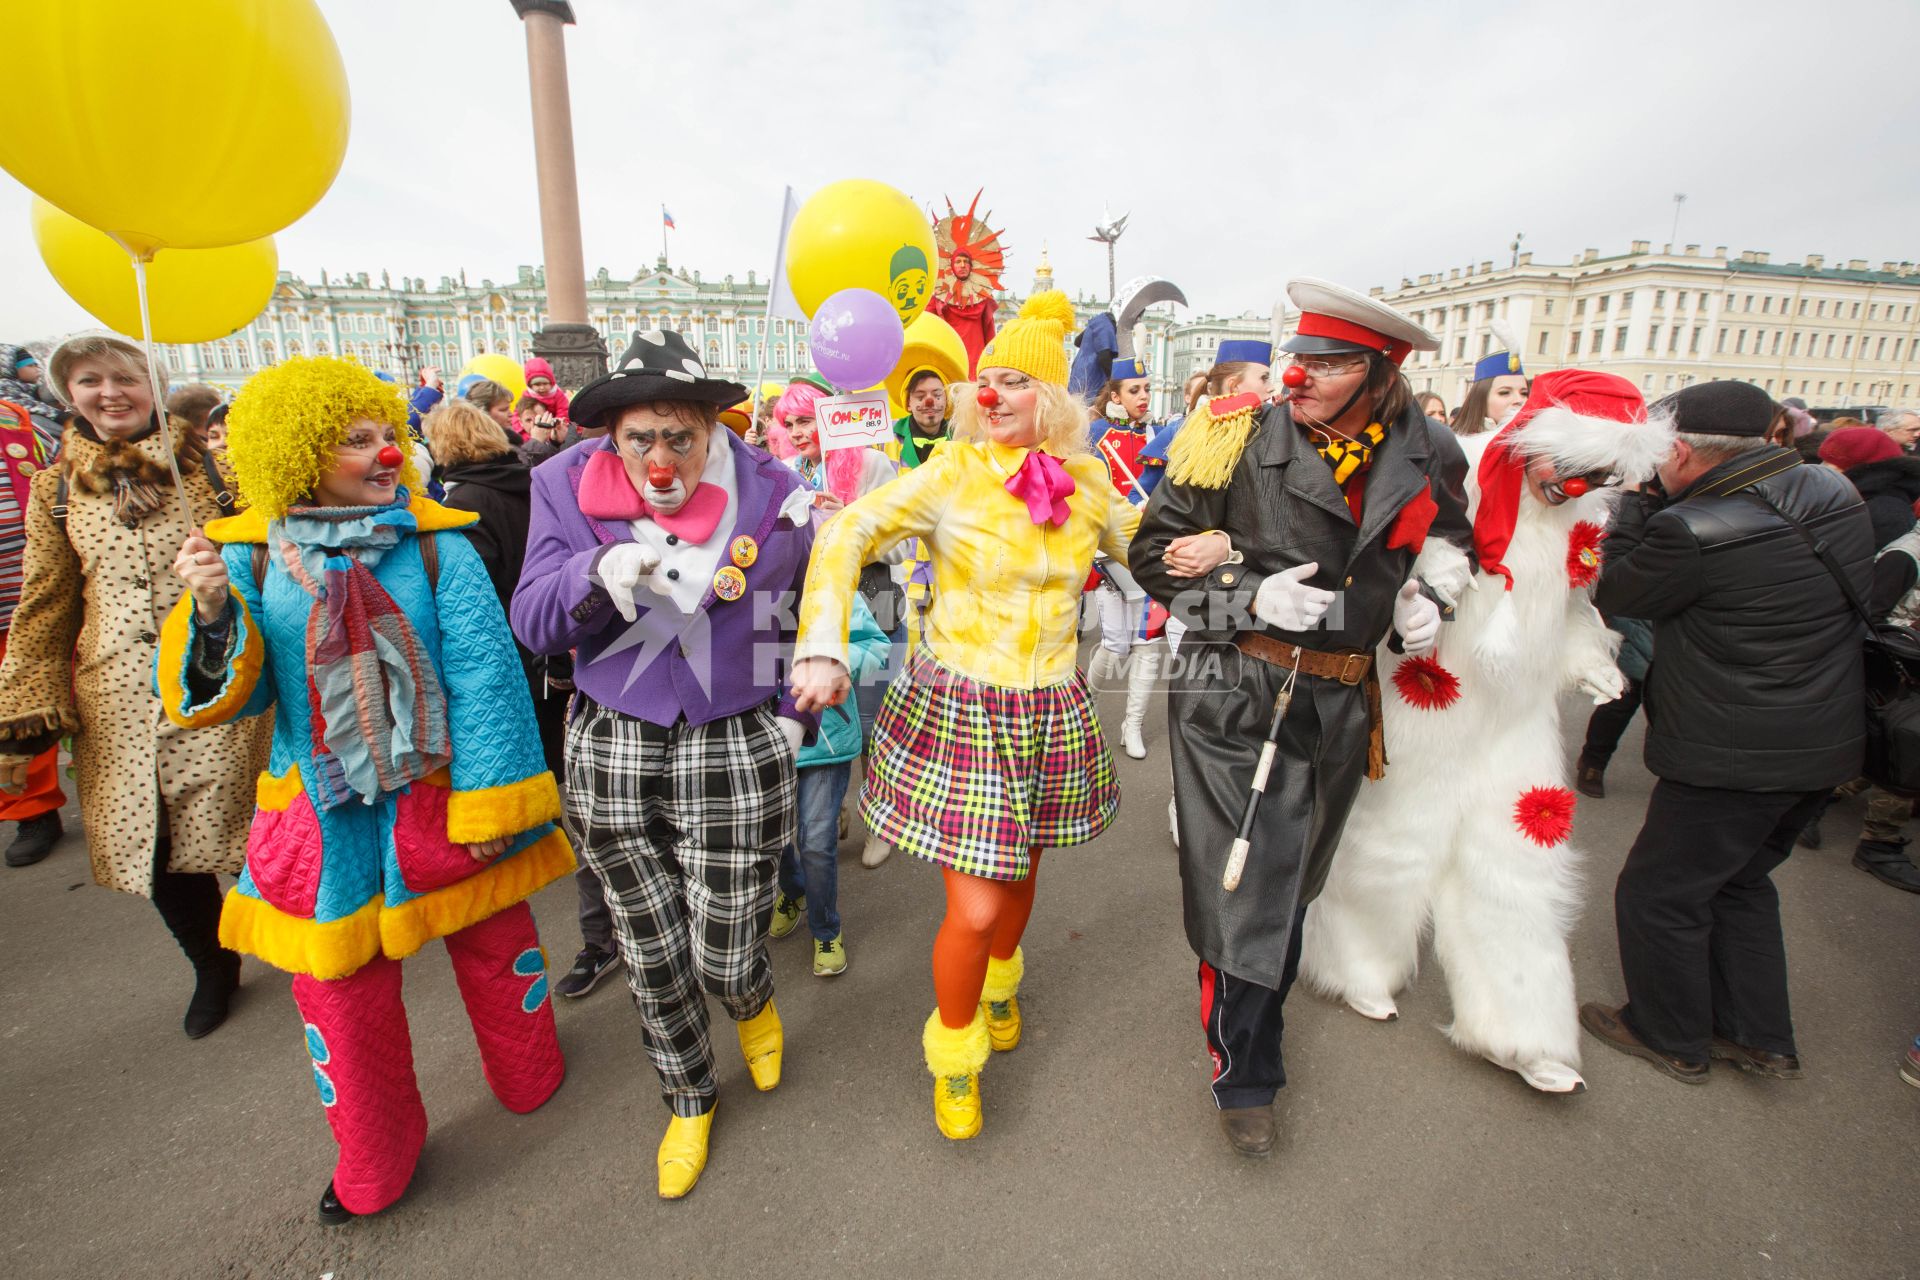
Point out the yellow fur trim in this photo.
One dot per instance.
(411, 925)
(175, 641)
(1207, 449)
(474, 817)
(332, 949)
(954, 1051)
(276, 794)
(251, 525)
(1003, 976)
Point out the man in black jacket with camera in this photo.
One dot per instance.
(1756, 711)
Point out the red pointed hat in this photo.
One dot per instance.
(1586, 421)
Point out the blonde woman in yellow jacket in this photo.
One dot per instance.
(987, 748)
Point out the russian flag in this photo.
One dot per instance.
(666, 217)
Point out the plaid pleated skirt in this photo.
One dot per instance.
(972, 775)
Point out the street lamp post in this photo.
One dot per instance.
(568, 342)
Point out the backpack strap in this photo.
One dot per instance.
(430, 560)
(221, 493)
(63, 486)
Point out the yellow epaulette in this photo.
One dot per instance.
(1208, 447)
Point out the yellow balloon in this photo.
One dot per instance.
(196, 295)
(859, 234)
(500, 369)
(187, 124)
(931, 344)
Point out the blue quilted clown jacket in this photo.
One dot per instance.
(325, 891)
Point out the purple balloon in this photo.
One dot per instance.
(857, 338)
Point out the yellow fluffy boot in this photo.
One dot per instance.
(955, 1056)
(1000, 998)
(761, 1041)
(683, 1154)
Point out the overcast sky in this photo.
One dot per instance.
(1250, 140)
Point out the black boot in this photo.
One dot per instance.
(190, 905)
(332, 1212)
(1887, 862)
(35, 839)
(1590, 779)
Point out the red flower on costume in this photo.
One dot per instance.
(1583, 553)
(1425, 684)
(1545, 815)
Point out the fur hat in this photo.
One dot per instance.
(657, 365)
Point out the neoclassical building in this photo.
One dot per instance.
(1838, 334)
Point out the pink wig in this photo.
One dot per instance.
(797, 401)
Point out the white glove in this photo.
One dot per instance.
(1287, 602)
(1416, 618)
(625, 568)
(795, 732)
(1603, 683)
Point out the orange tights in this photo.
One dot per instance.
(984, 918)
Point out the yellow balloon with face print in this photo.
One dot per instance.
(183, 124)
(860, 234)
(195, 295)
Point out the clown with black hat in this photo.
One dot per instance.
(1311, 513)
(657, 553)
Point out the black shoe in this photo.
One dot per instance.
(1810, 837)
(35, 839)
(1887, 862)
(591, 965)
(213, 990)
(332, 1212)
(1249, 1130)
(1590, 780)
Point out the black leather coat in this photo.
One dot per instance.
(1281, 508)
(1757, 683)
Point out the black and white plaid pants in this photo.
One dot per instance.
(684, 826)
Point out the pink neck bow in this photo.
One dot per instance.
(1044, 485)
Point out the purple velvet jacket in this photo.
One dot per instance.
(733, 655)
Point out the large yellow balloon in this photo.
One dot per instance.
(184, 124)
(859, 234)
(500, 369)
(196, 295)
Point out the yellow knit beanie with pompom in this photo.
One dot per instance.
(1035, 341)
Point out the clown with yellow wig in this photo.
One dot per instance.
(987, 749)
(406, 798)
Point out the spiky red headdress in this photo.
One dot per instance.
(969, 235)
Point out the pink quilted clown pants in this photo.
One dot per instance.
(363, 1054)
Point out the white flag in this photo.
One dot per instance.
(780, 300)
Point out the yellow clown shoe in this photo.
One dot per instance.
(761, 1041)
(683, 1154)
(955, 1056)
(1000, 998)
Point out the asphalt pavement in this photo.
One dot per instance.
(127, 1150)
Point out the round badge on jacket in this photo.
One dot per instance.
(729, 583)
(743, 551)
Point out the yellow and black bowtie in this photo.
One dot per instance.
(1348, 456)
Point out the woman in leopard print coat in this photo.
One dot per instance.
(165, 807)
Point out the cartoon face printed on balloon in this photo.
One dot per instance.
(907, 279)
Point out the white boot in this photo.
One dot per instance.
(876, 852)
(1545, 1074)
(1173, 821)
(1140, 682)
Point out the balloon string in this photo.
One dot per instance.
(153, 381)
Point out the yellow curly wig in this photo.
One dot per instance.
(287, 421)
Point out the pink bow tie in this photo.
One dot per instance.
(1044, 485)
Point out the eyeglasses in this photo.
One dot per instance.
(1326, 368)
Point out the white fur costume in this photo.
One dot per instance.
(1441, 837)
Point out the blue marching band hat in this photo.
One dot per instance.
(1125, 367)
(1244, 350)
(1504, 361)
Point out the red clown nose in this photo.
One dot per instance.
(1575, 488)
(661, 477)
(390, 457)
(1293, 377)
(987, 397)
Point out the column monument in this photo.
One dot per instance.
(568, 342)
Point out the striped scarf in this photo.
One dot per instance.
(379, 711)
(1348, 456)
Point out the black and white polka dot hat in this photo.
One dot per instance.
(657, 365)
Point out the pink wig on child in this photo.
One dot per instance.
(802, 400)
